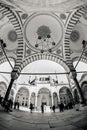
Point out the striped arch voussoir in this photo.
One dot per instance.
(17, 26)
(72, 22)
(44, 57)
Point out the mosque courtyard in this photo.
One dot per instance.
(24, 120)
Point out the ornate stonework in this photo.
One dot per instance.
(43, 32)
(74, 36)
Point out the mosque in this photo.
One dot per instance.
(42, 43)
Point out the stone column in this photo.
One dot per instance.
(58, 97)
(29, 100)
(52, 99)
(74, 74)
(14, 76)
(36, 101)
(8, 90)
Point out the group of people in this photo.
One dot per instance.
(16, 105)
(60, 106)
(43, 108)
(9, 104)
(32, 107)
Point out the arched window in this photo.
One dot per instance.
(22, 96)
(65, 95)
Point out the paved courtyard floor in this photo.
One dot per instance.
(67, 120)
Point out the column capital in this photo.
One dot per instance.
(14, 75)
(73, 74)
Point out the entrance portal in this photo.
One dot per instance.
(44, 97)
(43, 101)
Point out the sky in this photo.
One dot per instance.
(80, 67)
(42, 66)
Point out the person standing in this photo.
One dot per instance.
(42, 108)
(31, 107)
(54, 108)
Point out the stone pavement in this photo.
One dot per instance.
(67, 120)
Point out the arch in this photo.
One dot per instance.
(50, 57)
(83, 59)
(3, 59)
(55, 99)
(13, 18)
(71, 23)
(44, 97)
(55, 59)
(22, 96)
(65, 95)
(44, 89)
(3, 88)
